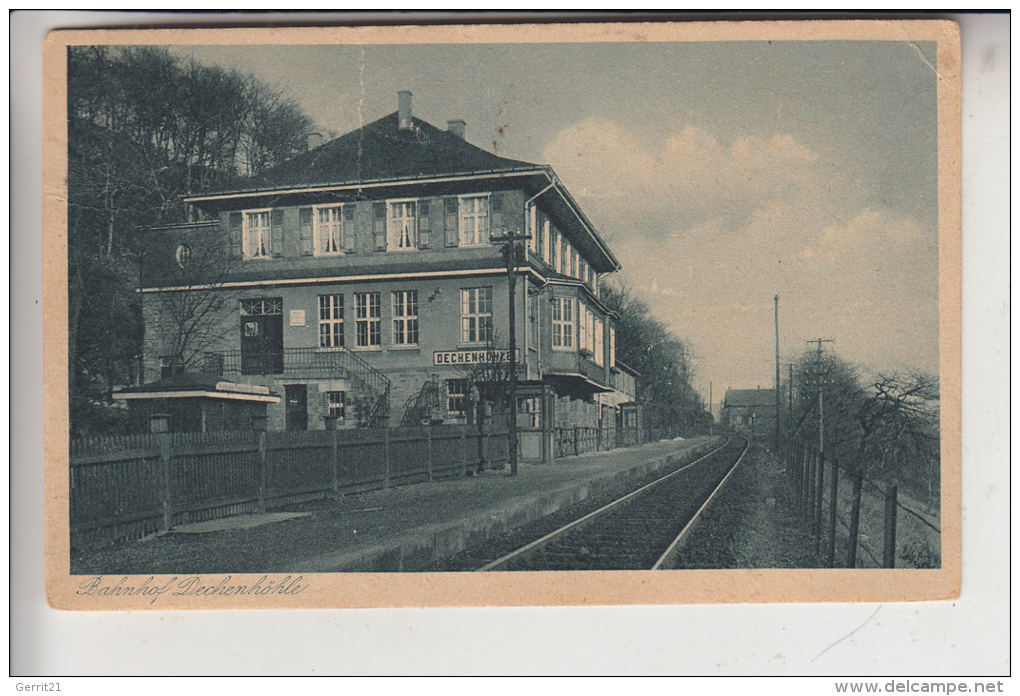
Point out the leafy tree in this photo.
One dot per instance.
(671, 403)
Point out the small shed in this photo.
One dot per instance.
(196, 403)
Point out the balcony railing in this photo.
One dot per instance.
(340, 364)
(335, 363)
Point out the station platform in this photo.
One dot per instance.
(404, 528)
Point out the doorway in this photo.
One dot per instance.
(297, 406)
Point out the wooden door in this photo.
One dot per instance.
(297, 406)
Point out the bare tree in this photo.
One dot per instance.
(194, 321)
(144, 129)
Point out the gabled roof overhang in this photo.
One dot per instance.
(540, 181)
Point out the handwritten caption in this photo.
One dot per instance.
(190, 586)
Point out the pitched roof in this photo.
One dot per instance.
(381, 151)
(750, 397)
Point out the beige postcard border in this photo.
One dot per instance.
(336, 590)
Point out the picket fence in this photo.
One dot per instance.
(127, 487)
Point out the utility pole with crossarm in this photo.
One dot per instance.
(512, 255)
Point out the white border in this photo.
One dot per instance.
(968, 636)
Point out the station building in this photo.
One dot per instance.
(365, 282)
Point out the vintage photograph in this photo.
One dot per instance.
(353, 306)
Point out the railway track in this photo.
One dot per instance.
(642, 530)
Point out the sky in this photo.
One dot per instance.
(721, 174)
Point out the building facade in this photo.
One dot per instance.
(750, 411)
(366, 283)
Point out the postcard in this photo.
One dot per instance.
(503, 315)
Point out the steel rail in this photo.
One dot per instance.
(580, 522)
(681, 539)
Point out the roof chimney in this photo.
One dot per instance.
(456, 127)
(404, 110)
(314, 140)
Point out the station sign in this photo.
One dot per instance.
(472, 357)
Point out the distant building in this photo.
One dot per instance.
(750, 411)
(361, 282)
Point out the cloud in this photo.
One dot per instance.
(691, 174)
(709, 231)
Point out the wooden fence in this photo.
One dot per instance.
(127, 487)
(878, 528)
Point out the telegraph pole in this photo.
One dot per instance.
(820, 382)
(510, 255)
(777, 372)
(789, 389)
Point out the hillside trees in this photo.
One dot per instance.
(671, 404)
(144, 129)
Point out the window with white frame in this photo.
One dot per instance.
(329, 230)
(599, 345)
(257, 241)
(582, 327)
(331, 321)
(532, 228)
(402, 225)
(405, 318)
(563, 323)
(554, 242)
(336, 404)
(457, 396)
(367, 321)
(564, 255)
(474, 220)
(545, 240)
(476, 315)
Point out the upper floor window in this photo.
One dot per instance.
(367, 321)
(554, 249)
(402, 225)
(544, 242)
(533, 228)
(257, 239)
(612, 346)
(583, 327)
(405, 318)
(598, 349)
(476, 315)
(329, 230)
(331, 321)
(474, 220)
(563, 322)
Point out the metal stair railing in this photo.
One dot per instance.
(419, 406)
(339, 362)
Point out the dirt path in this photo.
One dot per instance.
(751, 525)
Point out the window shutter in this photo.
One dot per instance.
(305, 216)
(452, 227)
(423, 224)
(379, 213)
(496, 210)
(276, 231)
(350, 231)
(235, 223)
